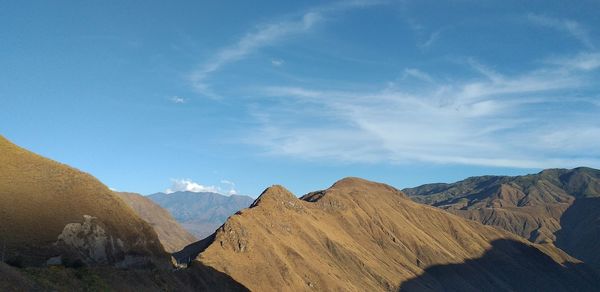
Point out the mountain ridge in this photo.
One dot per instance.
(361, 235)
(539, 207)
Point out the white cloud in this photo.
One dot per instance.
(178, 99)
(492, 120)
(266, 35)
(187, 185)
(231, 186)
(277, 62)
(571, 27)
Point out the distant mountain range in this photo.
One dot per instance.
(201, 213)
(557, 206)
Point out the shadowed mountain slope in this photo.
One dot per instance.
(52, 214)
(172, 236)
(49, 209)
(555, 205)
(495, 272)
(201, 213)
(365, 236)
(102, 278)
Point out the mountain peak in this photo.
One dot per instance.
(350, 181)
(275, 194)
(353, 185)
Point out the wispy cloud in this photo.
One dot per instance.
(583, 61)
(178, 99)
(571, 27)
(492, 120)
(277, 62)
(264, 35)
(431, 39)
(418, 74)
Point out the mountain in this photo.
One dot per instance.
(560, 206)
(201, 213)
(172, 236)
(63, 230)
(366, 236)
(50, 210)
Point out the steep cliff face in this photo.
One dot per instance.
(50, 210)
(365, 236)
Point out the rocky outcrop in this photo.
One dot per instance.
(89, 242)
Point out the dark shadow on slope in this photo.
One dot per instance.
(191, 251)
(508, 266)
(580, 233)
(201, 277)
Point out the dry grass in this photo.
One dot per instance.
(38, 197)
(172, 236)
(365, 236)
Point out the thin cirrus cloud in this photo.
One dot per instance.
(492, 120)
(571, 27)
(188, 185)
(266, 35)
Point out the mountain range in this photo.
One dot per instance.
(558, 206)
(201, 213)
(364, 236)
(63, 230)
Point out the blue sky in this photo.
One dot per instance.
(236, 96)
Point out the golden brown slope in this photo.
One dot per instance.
(365, 236)
(555, 205)
(172, 236)
(42, 200)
